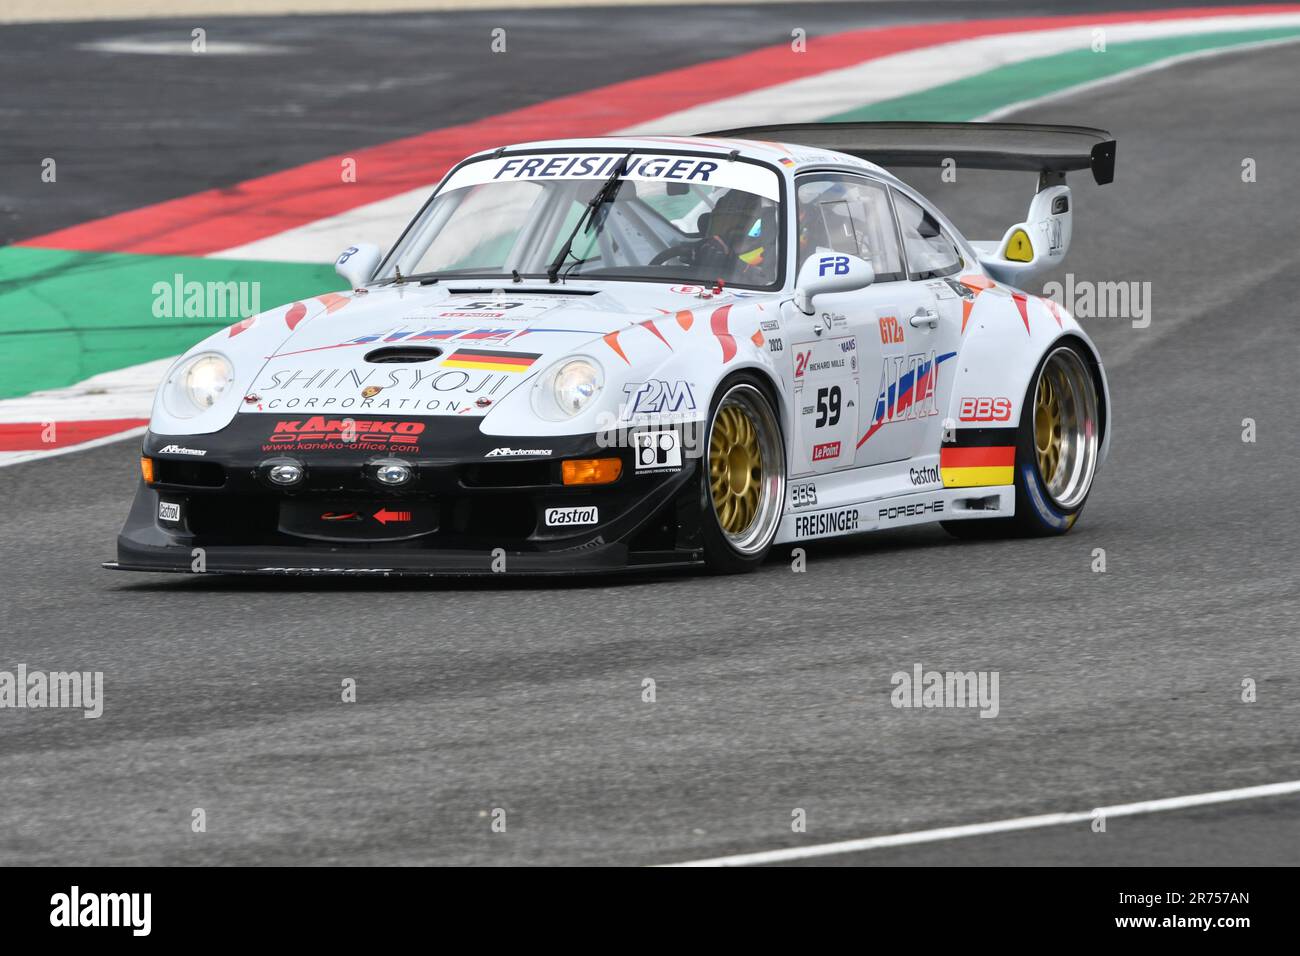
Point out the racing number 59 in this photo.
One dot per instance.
(828, 406)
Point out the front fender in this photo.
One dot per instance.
(664, 368)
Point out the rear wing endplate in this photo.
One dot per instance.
(1031, 147)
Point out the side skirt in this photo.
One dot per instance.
(920, 507)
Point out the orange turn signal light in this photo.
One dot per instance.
(146, 470)
(591, 471)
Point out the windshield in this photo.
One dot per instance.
(672, 218)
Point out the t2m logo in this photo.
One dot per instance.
(834, 265)
(984, 410)
(657, 396)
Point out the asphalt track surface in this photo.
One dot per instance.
(772, 689)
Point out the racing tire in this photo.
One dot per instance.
(1057, 444)
(742, 477)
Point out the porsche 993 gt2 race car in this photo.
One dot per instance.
(621, 353)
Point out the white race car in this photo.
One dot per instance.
(608, 354)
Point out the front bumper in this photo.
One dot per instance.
(464, 512)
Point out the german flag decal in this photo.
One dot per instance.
(977, 466)
(491, 360)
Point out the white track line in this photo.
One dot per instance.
(999, 826)
(1126, 75)
(120, 393)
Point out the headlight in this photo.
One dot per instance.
(200, 383)
(567, 388)
(576, 383)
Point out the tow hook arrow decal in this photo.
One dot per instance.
(383, 516)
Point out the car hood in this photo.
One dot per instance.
(435, 350)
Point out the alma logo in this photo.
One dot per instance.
(907, 388)
(102, 909)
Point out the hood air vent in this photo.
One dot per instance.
(403, 354)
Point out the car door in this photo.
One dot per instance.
(850, 359)
(935, 262)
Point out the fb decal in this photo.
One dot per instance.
(835, 265)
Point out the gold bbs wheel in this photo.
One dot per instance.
(1065, 427)
(746, 468)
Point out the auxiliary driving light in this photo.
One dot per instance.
(392, 473)
(285, 474)
(591, 471)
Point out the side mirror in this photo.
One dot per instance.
(832, 272)
(358, 263)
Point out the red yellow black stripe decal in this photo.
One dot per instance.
(492, 360)
(973, 467)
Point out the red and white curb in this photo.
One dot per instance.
(105, 408)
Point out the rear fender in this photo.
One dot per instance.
(1007, 334)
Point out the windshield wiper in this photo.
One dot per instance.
(603, 195)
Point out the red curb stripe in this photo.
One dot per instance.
(223, 218)
(27, 436)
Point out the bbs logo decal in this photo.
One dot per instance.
(571, 517)
(658, 452)
(803, 496)
(984, 410)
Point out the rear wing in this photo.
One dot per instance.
(1027, 248)
(1030, 147)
